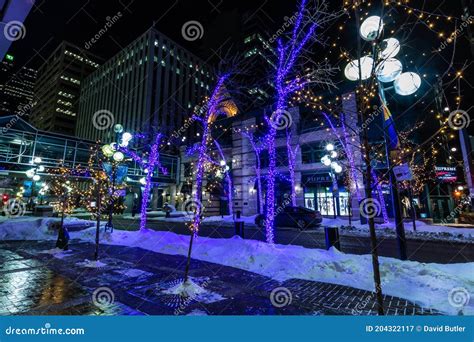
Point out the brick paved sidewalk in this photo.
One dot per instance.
(35, 283)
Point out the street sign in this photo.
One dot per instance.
(402, 173)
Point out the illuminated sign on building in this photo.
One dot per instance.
(446, 173)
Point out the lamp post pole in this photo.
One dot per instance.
(397, 211)
(116, 157)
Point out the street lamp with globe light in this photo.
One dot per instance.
(116, 156)
(388, 69)
(34, 176)
(335, 168)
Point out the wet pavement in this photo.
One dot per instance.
(134, 281)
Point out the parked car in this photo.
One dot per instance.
(298, 217)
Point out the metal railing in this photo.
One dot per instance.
(18, 148)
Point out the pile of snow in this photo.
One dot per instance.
(423, 230)
(427, 284)
(34, 228)
(91, 263)
(57, 252)
(191, 290)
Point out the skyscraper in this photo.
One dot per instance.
(16, 88)
(153, 83)
(58, 87)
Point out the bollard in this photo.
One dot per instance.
(332, 237)
(63, 238)
(239, 225)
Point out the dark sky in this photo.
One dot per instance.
(77, 21)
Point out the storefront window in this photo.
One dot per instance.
(323, 200)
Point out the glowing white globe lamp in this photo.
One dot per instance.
(329, 147)
(333, 154)
(118, 128)
(407, 83)
(127, 136)
(371, 28)
(30, 173)
(107, 151)
(352, 69)
(391, 47)
(388, 70)
(124, 144)
(37, 160)
(326, 161)
(118, 156)
(36, 178)
(338, 168)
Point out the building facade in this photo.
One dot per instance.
(317, 187)
(58, 88)
(153, 83)
(16, 88)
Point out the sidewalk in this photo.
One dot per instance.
(34, 282)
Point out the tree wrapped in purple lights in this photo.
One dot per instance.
(214, 106)
(149, 165)
(257, 149)
(295, 70)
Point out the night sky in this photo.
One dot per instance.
(77, 21)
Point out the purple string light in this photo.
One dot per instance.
(287, 56)
(150, 165)
(212, 109)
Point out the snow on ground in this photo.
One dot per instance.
(35, 228)
(57, 252)
(427, 284)
(423, 230)
(193, 291)
(91, 263)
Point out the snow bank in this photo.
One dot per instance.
(34, 228)
(427, 284)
